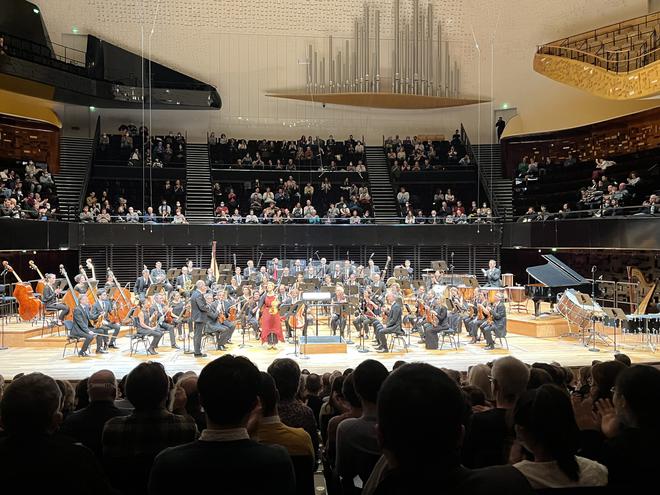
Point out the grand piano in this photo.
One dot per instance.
(554, 277)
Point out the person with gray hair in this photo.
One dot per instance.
(30, 414)
(489, 434)
(86, 425)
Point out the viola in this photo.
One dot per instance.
(29, 306)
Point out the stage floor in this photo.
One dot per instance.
(48, 358)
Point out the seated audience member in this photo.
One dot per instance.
(271, 429)
(488, 435)
(30, 415)
(357, 442)
(625, 434)
(86, 425)
(292, 412)
(546, 428)
(130, 443)
(349, 399)
(421, 413)
(225, 457)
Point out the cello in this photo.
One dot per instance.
(29, 306)
(42, 279)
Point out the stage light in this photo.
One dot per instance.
(505, 106)
(554, 250)
(74, 30)
(92, 109)
(35, 10)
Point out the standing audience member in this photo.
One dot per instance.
(225, 457)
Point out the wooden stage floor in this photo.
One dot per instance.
(46, 355)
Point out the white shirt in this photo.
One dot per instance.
(548, 474)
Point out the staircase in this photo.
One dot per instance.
(380, 186)
(498, 188)
(75, 156)
(199, 191)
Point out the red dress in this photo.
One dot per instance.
(270, 323)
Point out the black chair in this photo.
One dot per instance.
(398, 337)
(137, 338)
(451, 336)
(70, 339)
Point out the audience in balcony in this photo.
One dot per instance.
(27, 190)
(135, 146)
(414, 155)
(305, 153)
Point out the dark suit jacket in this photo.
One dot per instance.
(443, 323)
(54, 454)
(48, 296)
(499, 317)
(240, 466)
(488, 439)
(141, 285)
(86, 425)
(394, 318)
(198, 307)
(81, 319)
(493, 277)
(180, 280)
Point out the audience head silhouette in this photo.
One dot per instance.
(147, 386)
(31, 405)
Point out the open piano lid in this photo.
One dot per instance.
(555, 273)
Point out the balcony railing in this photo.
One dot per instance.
(622, 47)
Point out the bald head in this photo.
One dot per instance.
(102, 386)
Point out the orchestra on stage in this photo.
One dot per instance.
(276, 302)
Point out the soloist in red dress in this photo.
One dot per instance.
(270, 323)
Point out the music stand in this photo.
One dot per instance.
(173, 273)
(344, 308)
(288, 280)
(618, 316)
(400, 272)
(243, 318)
(352, 289)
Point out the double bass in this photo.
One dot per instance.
(122, 301)
(29, 306)
(70, 298)
(42, 280)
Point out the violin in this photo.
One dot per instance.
(274, 307)
(29, 307)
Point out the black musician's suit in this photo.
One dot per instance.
(107, 327)
(431, 332)
(81, 328)
(393, 325)
(198, 309)
(49, 298)
(498, 326)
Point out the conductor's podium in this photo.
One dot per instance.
(325, 344)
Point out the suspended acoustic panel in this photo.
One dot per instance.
(395, 101)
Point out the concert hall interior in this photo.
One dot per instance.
(350, 229)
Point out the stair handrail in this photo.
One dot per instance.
(482, 177)
(90, 162)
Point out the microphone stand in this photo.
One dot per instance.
(451, 267)
(593, 317)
